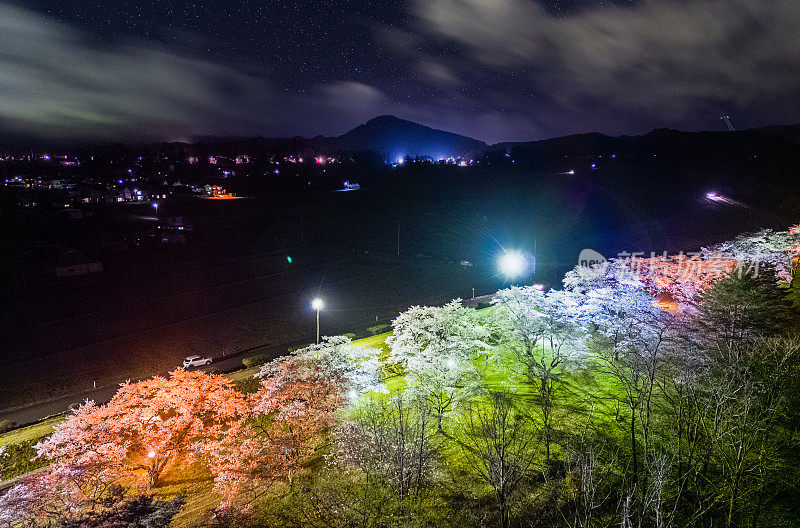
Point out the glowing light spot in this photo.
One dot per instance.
(151, 454)
(512, 264)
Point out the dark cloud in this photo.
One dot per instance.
(52, 83)
(496, 70)
(665, 61)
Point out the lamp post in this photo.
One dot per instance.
(317, 304)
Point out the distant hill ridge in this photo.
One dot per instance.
(393, 138)
(387, 134)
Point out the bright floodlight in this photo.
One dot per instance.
(512, 264)
(151, 454)
(317, 304)
(711, 195)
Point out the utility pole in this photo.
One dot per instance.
(727, 121)
(473, 293)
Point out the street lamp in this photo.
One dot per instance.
(317, 304)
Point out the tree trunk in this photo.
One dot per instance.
(633, 449)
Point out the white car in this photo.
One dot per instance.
(196, 361)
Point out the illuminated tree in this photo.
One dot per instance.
(291, 413)
(742, 306)
(499, 448)
(437, 347)
(547, 336)
(677, 280)
(147, 427)
(632, 340)
(393, 439)
(38, 500)
(778, 249)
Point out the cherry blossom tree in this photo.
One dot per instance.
(393, 438)
(547, 336)
(37, 501)
(291, 414)
(779, 249)
(437, 348)
(147, 427)
(632, 340)
(677, 280)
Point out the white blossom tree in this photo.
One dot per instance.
(631, 339)
(547, 336)
(776, 248)
(437, 348)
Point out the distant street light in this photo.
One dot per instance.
(711, 195)
(317, 304)
(512, 264)
(155, 205)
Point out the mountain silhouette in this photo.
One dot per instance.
(395, 138)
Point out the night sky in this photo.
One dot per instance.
(496, 70)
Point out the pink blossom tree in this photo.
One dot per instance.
(148, 427)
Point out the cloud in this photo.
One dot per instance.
(667, 60)
(53, 83)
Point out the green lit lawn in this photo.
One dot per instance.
(31, 432)
(376, 341)
(587, 398)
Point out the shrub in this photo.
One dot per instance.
(258, 359)
(350, 336)
(7, 425)
(379, 329)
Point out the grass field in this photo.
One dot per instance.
(31, 432)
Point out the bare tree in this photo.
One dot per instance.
(588, 482)
(500, 448)
(395, 437)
